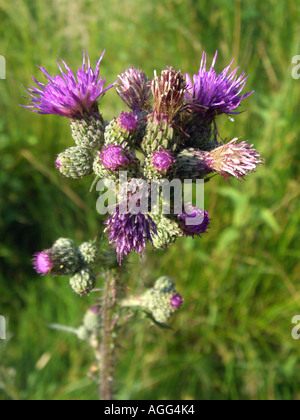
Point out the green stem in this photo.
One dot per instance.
(132, 301)
(108, 343)
(63, 328)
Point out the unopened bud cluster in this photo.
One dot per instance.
(161, 301)
(65, 258)
(91, 323)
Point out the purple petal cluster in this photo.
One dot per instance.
(163, 160)
(130, 232)
(201, 222)
(134, 89)
(177, 301)
(42, 263)
(67, 94)
(128, 121)
(115, 158)
(211, 94)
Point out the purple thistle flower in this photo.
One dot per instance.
(235, 159)
(115, 158)
(201, 222)
(42, 262)
(129, 232)
(211, 93)
(162, 160)
(68, 95)
(128, 121)
(177, 301)
(134, 89)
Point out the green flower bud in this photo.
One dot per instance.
(89, 131)
(89, 252)
(122, 131)
(159, 165)
(84, 281)
(191, 165)
(75, 162)
(160, 134)
(162, 301)
(167, 231)
(165, 284)
(83, 334)
(113, 159)
(199, 132)
(65, 256)
(92, 320)
(159, 305)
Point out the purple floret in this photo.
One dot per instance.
(201, 222)
(134, 89)
(211, 94)
(162, 160)
(68, 95)
(177, 301)
(42, 263)
(115, 158)
(130, 232)
(128, 121)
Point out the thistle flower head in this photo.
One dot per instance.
(89, 252)
(211, 94)
(62, 259)
(134, 89)
(128, 121)
(42, 262)
(115, 158)
(235, 159)
(168, 91)
(129, 232)
(83, 281)
(92, 319)
(162, 300)
(75, 162)
(162, 160)
(168, 231)
(194, 222)
(67, 94)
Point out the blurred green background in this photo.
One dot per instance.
(241, 282)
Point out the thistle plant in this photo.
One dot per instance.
(168, 132)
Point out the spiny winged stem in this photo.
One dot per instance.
(108, 343)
